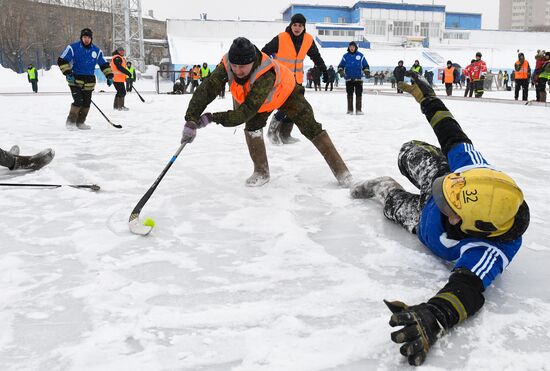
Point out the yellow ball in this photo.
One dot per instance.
(149, 222)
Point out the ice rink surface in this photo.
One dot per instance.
(288, 276)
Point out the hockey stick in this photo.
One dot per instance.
(134, 224)
(106, 118)
(139, 95)
(93, 187)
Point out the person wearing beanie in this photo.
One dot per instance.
(130, 80)
(468, 72)
(32, 76)
(259, 85)
(290, 48)
(450, 76)
(544, 77)
(122, 73)
(466, 212)
(478, 72)
(399, 74)
(77, 63)
(352, 67)
(522, 72)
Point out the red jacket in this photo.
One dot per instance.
(467, 71)
(479, 69)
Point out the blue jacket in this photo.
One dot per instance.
(84, 59)
(353, 65)
(484, 257)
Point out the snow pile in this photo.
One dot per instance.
(289, 276)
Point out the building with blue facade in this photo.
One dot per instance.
(388, 23)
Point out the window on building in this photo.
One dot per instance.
(402, 28)
(341, 20)
(327, 19)
(336, 32)
(456, 35)
(373, 27)
(321, 32)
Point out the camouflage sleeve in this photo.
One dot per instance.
(254, 100)
(206, 93)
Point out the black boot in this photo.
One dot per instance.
(350, 105)
(35, 162)
(358, 104)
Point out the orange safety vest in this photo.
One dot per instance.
(523, 71)
(118, 75)
(282, 88)
(449, 75)
(183, 73)
(196, 73)
(286, 55)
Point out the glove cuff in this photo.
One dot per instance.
(430, 105)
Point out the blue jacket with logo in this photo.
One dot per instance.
(84, 59)
(353, 65)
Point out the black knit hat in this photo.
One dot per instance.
(86, 32)
(242, 51)
(298, 18)
(478, 54)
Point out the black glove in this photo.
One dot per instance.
(422, 325)
(367, 72)
(421, 90)
(341, 72)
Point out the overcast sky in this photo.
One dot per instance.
(272, 9)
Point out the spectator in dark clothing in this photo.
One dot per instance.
(32, 76)
(376, 77)
(316, 78)
(331, 75)
(429, 75)
(399, 74)
(309, 78)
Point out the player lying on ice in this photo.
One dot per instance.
(466, 212)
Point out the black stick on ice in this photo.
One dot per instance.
(134, 224)
(139, 95)
(93, 187)
(106, 118)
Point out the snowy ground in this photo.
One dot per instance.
(289, 276)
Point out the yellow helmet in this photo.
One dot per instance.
(486, 200)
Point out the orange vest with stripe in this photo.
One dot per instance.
(287, 56)
(523, 72)
(449, 75)
(282, 88)
(118, 76)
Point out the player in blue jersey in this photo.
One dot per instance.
(77, 63)
(467, 212)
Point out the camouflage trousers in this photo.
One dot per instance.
(298, 110)
(421, 163)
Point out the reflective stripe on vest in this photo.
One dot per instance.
(287, 56)
(282, 87)
(416, 68)
(449, 75)
(118, 75)
(523, 71)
